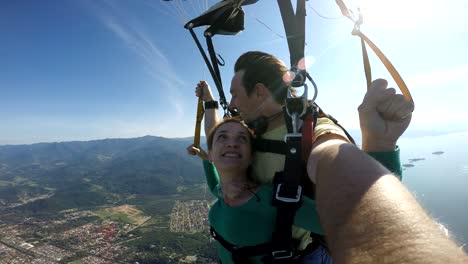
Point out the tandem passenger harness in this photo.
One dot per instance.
(300, 117)
(288, 191)
(289, 185)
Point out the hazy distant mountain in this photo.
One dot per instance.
(95, 171)
(88, 173)
(409, 133)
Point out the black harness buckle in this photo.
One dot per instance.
(282, 254)
(288, 194)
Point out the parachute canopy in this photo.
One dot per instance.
(224, 18)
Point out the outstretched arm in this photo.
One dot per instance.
(367, 214)
(203, 90)
(211, 174)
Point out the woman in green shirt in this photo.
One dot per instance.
(243, 214)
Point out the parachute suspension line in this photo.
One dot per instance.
(205, 7)
(214, 60)
(201, 6)
(224, 18)
(185, 15)
(219, 86)
(181, 11)
(205, 58)
(213, 71)
(322, 16)
(178, 11)
(171, 12)
(265, 25)
(365, 40)
(184, 9)
(194, 8)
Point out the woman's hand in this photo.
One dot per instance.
(203, 91)
(192, 150)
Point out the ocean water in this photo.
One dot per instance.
(440, 181)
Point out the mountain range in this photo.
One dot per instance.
(89, 173)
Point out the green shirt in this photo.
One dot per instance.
(253, 222)
(390, 160)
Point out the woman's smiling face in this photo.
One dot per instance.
(231, 147)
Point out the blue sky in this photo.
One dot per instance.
(92, 69)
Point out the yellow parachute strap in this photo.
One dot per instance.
(393, 72)
(367, 68)
(396, 76)
(200, 112)
(344, 10)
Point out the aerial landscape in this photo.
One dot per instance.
(98, 104)
(91, 206)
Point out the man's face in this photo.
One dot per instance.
(246, 105)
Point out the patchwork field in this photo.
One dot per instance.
(124, 213)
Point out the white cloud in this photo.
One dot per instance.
(132, 33)
(444, 122)
(437, 78)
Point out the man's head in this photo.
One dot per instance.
(257, 87)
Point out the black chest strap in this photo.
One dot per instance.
(241, 255)
(269, 145)
(287, 191)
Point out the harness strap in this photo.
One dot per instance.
(280, 147)
(335, 121)
(287, 199)
(270, 145)
(241, 255)
(288, 190)
(294, 26)
(200, 111)
(308, 137)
